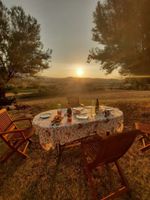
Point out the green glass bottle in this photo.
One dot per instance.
(97, 106)
(69, 113)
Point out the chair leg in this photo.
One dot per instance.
(123, 179)
(90, 183)
(25, 148)
(59, 150)
(145, 148)
(89, 178)
(146, 145)
(5, 158)
(22, 153)
(30, 140)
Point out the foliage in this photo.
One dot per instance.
(21, 51)
(137, 83)
(123, 28)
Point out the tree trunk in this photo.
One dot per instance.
(4, 101)
(2, 92)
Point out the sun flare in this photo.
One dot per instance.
(79, 72)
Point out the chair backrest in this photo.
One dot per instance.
(5, 120)
(6, 124)
(113, 147)
(73, 101)
(144, 127)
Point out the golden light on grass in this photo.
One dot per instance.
(79, 72)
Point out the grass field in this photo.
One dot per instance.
(44, 177)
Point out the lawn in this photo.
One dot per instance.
(43, 176)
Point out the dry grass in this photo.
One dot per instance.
(43, 176)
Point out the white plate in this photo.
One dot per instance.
(45, 116)
(110, 109)
(78, 109)
(82, 116)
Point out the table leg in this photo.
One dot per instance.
(107, 133)
(58, 149)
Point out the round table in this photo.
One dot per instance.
(51, 135)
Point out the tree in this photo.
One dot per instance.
(123, 28)
(21, 51)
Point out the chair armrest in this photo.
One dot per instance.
(143, 127)
(13, 131)
(141, 133)
(23, 119)
(22, 132)
(91, 139)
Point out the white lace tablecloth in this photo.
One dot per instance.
(50, 136)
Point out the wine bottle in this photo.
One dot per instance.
(69, 114)
(97, 106)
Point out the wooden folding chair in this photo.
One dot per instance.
(17, 140)
(99, 152)
(145, 128)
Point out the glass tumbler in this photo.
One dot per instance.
(59, 111)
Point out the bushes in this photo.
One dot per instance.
(48, 91)
(136, 84)
(10, 87)
(41, 92)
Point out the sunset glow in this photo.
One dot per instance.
(79, 72)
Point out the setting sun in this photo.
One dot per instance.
(79, 72)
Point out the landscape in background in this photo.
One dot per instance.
(43, 87)
(35, 90)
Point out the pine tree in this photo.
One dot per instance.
(123, 28)
(21, 50)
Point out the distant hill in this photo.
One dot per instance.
(45, 86)
(70, 82)
(83, 83)
(59, 86)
